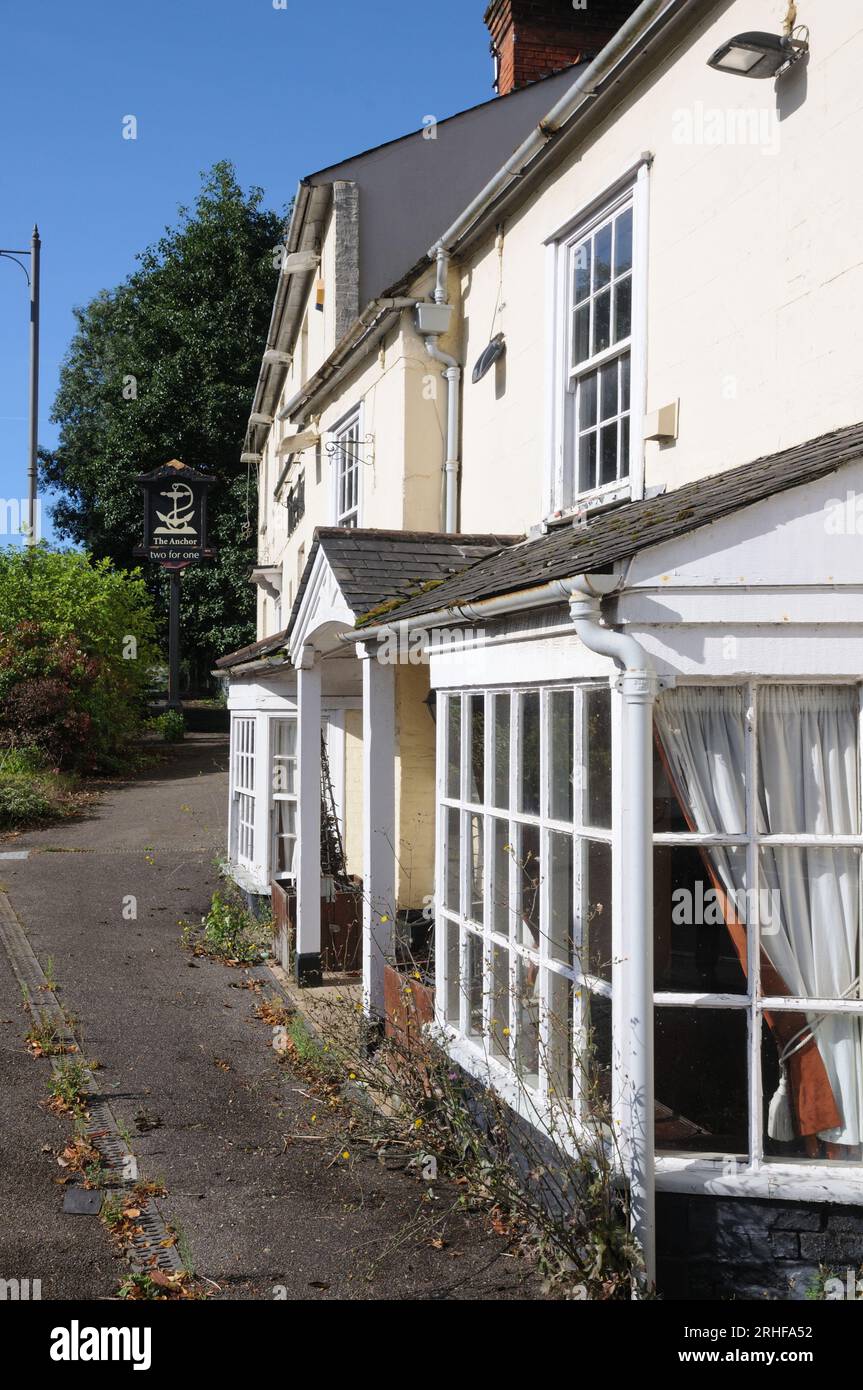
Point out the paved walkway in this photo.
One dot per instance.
(181, 1051)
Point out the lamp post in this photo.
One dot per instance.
(32, 275)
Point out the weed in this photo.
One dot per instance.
(68, 1085)
(229, 933)
(45, 1038)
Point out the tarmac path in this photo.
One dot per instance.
(192, 1078)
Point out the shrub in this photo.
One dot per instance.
(170, 726)
(23, 762)
(76, 650)
(23, 802)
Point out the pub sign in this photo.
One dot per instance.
(175, 514)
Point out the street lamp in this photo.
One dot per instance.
(33, 282)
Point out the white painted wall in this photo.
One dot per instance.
(755, 271)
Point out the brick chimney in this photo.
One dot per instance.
(531, 39)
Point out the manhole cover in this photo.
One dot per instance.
(80, 1201)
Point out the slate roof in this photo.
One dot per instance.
(597, 543)
(375, 568)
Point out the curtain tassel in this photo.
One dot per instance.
(780, 1118)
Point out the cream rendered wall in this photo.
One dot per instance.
(415, 787)
(353, 812)
(755, 271)
(404, 404)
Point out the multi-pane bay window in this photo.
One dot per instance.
(283, 743)
(757, 919)
(524, 894)
(243, 790)
(346, 462)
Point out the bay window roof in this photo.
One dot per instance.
(592, 544)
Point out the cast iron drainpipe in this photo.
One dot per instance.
(638, 687)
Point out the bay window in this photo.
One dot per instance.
(525, 884)
(757, 895)
(243, 790)
(283, 735)
(758, 885)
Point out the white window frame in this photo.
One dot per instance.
(347, 511)
(756, 1176)
(279, 795)
(243, 746)
(561, 432)
(751, 1003)
(500, 1061)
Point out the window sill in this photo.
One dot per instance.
(589, 504)
(693, 1174)
(796, 1182)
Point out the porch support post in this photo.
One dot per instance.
(638, 689)
(379, 826)
(308, 851)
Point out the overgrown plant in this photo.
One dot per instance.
(229, 932)
(170, 726)
(546, 1178)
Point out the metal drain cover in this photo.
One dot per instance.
(81, 1201)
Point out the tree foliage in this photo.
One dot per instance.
(77, 650)
(164, 366)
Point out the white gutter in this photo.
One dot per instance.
(638, 687)
(580, 94)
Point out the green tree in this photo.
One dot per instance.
(164, 366)
(77, 650)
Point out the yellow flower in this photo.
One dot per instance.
(346, 1154)
(506, 1032)
(418, 1124)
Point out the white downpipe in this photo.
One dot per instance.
(638, 686)
(452, 375)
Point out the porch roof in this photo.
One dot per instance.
(593, 544)
(377, 571)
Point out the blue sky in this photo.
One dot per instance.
(280, 91)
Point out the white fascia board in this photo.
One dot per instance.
(323, 604)
(278, 694)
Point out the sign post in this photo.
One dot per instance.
(175, 535)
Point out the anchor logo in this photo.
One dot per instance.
(177, 520)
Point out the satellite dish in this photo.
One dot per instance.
(492, 354)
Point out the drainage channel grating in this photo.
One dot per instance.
(149, 1247)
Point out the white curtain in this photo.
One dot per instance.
(809, 784)
(807, 741)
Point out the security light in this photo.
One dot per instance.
(758, 55)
